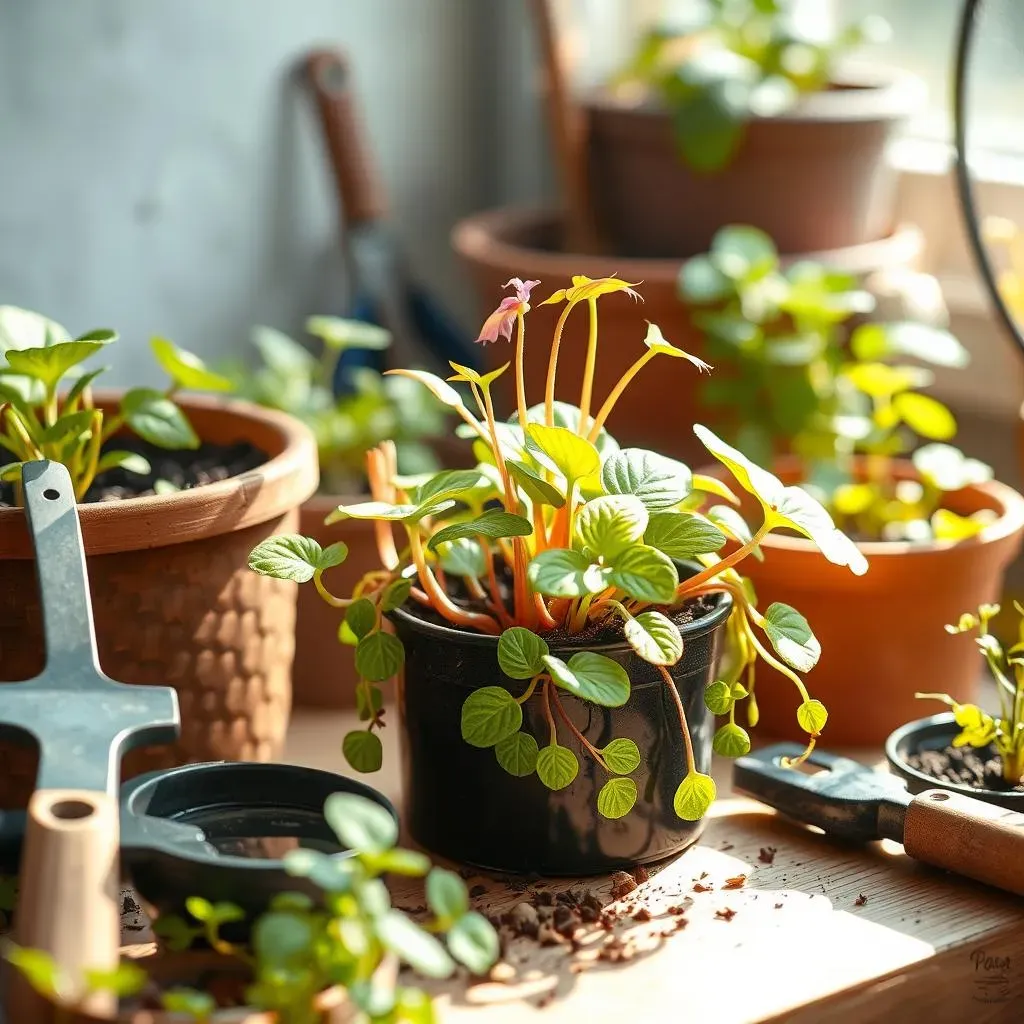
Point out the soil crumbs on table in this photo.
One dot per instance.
(170, 470)
(965, 766)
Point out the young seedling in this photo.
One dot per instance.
(805, 382)
(558, 529)
(1005, 731)
(46, 401)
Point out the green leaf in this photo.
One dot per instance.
(559, 449)
(474, 943)
(39, 969)
(948, 468)
(743, 252)
(463, 557)
(387, 512)
(340, 333)
(489, 715)
(718, 698)
(557, 766)
(616, 798)
(328, 872)
(440, 389)
(517, 754)
(379, 656)
(568, 416)
(730, 522)
(812, 716)
(422, 952)
(158, 420)
(493, 524)
(655, 637)
(50, 363)
(396, 593)
(925, 416)
(332, 555)
(683, 535)
(23, 328)
(708, 130)
(694, 797)
(537, 489)
(127, 979)
(622, 756)
(611, 523)
(369, 700)
(187, 371)
(871, 342)
(658, 482)
(880, 380)
(645, 574)
(361, 617)
(452, 484)
(560, 572)
(791, 637)
(446, 894)
(592, 677)
(188, 1001)
(70, 425)
(283, 354)
(363, 750)
(521, 653)
(288, 556)
(702, 283)
(731, 741)
(130, 462)
(283, 938)
(361, 824)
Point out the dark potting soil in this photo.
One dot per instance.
(979, 769)
(184, 470)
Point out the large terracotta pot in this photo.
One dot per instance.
(813, 178)
(881, 634)
(658, 409)
(174, 601)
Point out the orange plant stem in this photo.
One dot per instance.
(440, 600)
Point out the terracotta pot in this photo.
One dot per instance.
(192, 970)
(881, 634)
(658, 409)
(813, 178)
(174, 601)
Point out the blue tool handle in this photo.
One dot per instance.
(60, 568)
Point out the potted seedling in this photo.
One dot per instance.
(331, 960)
(968, 750)
(561, 618)
(174, 491)
(745, 115)
(838, 404)
(371, 408)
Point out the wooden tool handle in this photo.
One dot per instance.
(360, 191)
(967, 836)
(67, 905)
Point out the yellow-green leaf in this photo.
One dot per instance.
(694, 797)
(926, 416)
(563, 451)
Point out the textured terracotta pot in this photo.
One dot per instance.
(813, 178)
(174, 601)
(658, 409)
(881, 634)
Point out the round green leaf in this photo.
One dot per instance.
(741, 251)
(489, 715)
(791, 637)
(622, 756)
(446, 894)
(655, 638)
(288, 556)
(521, 653)
(453, 484)
(493, 524)
(198, 1005)
(282, 938)
(731, 741)
(188, 371)
(718, 698)
(155, 418)
(683, 535)
(131, 462)
(695, 795)
(396, 593)
(926, 416)
(379, 656)
(363, 750)
(557, 766)
(657, 481)
(812, 716)
(463, 557)
(562, 450)
(561, 572)
(332, 555)
(592, 677)
(421, 951)
(473, 941)
(702, 283)
(646, 574)
(610, 523)
(517, 754)
(616, 798)
(948, 468)
(361, 824)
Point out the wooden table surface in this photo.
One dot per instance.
(826, 932)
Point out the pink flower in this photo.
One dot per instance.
(499, 323)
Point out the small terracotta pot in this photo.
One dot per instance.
(192, 970)
(174, 601)
(658, 409)
(813, 178)
(881, 634)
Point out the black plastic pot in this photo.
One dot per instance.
(459, 802)
(936, 733)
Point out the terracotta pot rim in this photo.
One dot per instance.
(863, 93)
(288, 477)
(483, 239)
